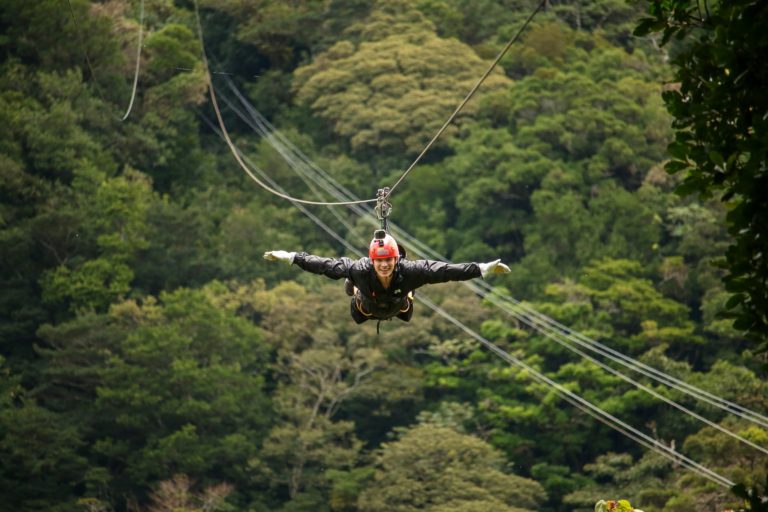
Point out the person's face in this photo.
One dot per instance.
(384, 267)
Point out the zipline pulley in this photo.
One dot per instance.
(383, 207)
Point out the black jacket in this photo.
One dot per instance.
(408, 276)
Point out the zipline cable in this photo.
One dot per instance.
(231, 145)
(90, 66)
(647, 441)
(287, 156)
(633, 382)
(537, 320)
(298, 204)
(469, 95)
(531, 315)
(285, 147)
(540, 321)
(572, 398)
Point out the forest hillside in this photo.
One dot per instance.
(152, 360)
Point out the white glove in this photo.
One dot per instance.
(280, 256)
(494, 267)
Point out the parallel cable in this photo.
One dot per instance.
(514, 307)
(633, 382)
(554, 330)
(535, 319)
(231, 145)
(298, 204)
(255, 125)
(613, 422)
(469, 95)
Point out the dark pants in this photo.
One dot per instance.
(359, 317)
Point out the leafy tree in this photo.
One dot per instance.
(615, 298)
(347, 486)
(438, 469)
(47, 119)
(566, 233)
(754, 498)
(720, 135)
(606, 17)
(113, 212)
(40, 450)
(727, 455)
(487, 169)
(451, 415)
(694, 491)
(35, 32)
(164, 140)
(615, 474)
(557, 481)
(164, 387)
(278, 30)
(180, 244)
(471, 22)
(317, 372)
(391, 92)
(177, 495)
(696, 235)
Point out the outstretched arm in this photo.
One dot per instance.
(431, 272)
(335, 268)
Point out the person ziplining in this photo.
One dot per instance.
(382, 285)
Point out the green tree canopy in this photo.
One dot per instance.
(720, 133)
(164, 387)
(439, 469)
(390, 93)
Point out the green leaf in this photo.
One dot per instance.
(734, 301)
(740, 490)
(679, 150)
(743, 323)
(648, 25)
(687, 187)
(675, 166)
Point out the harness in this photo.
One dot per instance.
(361, 309)
(359, 306)
(383, 209)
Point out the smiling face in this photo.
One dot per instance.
(384, 267)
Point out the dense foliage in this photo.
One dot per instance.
(720, 133)
(150, 359)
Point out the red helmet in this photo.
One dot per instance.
(383, 248)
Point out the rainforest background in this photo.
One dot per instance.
(151, 360)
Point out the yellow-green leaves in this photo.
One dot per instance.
(614, 506)
(392, 91)
(438, 469)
